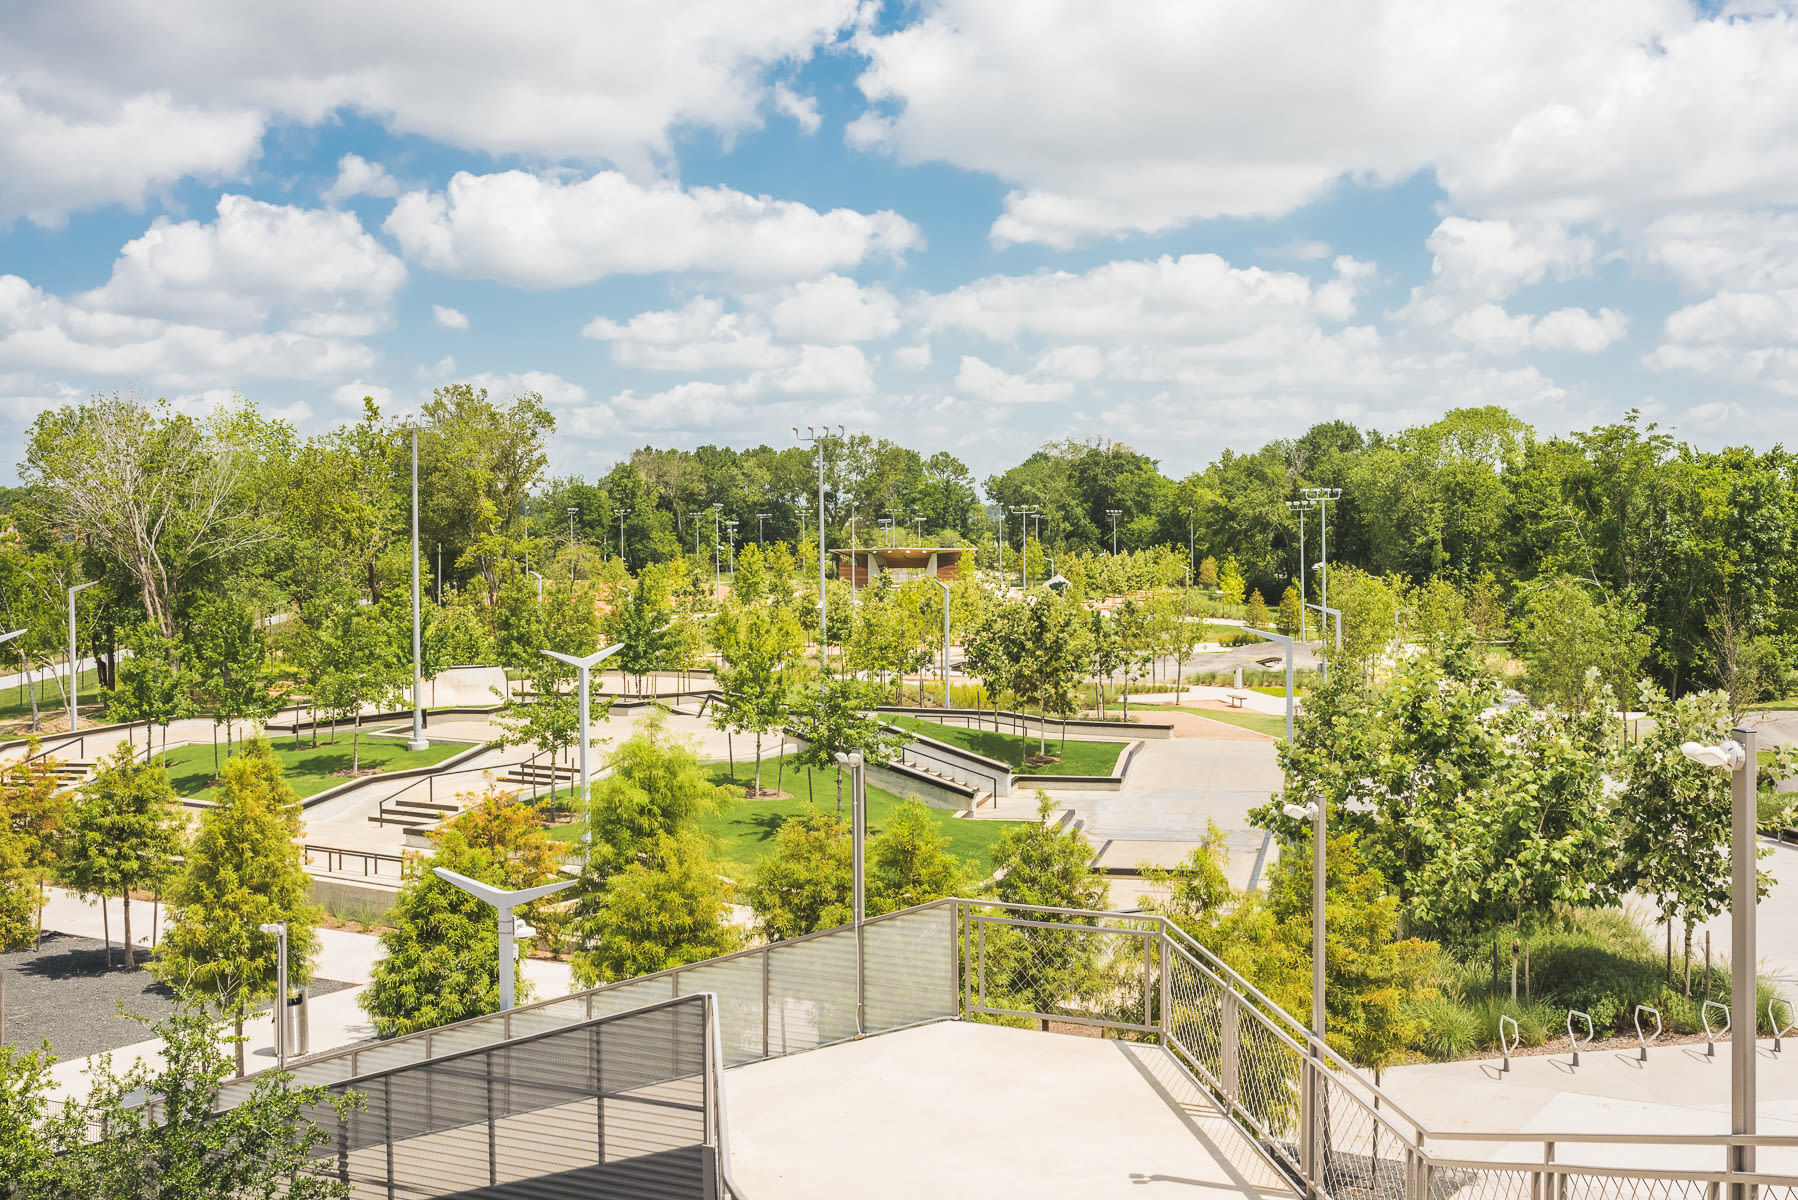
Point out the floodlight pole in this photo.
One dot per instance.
(1299, 508)
(539, 585)
(759, 518)
(418, 740)
(1744, 895)
(503, 903)
(818, 439)
(279, 931)
(858, 835)
(74, 667)
(621, 514)
(585, 666)
(1114, 513)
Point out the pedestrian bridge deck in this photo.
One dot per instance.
(960, 1109)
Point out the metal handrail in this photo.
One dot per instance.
(367, 856)
(910, 748)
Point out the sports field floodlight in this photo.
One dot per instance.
(585, 665)
(1727, 755)
(503, 902)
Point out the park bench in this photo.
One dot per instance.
(1236, 699)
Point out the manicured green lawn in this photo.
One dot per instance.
(744, 833)
(1274, 727)
(15, 701)
(1077, 758)
(308, 771)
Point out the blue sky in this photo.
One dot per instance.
(972, 224)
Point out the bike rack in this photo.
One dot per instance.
(1577, 1044)
(1647, 1041)
(1516, 1038)
(1779, 1030)
(1710, 1036)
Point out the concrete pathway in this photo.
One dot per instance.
(336, 1020)
(957, 1109)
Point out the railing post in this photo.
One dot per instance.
(1148, 950)
(767, 969)
(1308, 1124)
(1230, 1043)
(1167, 992)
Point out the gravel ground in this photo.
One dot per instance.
(63, 994)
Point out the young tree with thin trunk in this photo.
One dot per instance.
(123, 834)
(243, 870)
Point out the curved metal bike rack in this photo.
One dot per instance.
(1516, 1038)
(1577, 1044)
(1647, 1041)
(1710, 1035)
(1779, 1031)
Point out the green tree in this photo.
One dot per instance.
(666, 912)
(1256, 613)
(1208, 572)
(33, 827)
(123, 835)
(758, 646)
(440, 960)
(642, 620)
(1290, 611)
(243, 870)
(1039, 648)
(803, 884)
(149, 687)
(163, 1130)
(231, 661)
(1230, 582)
(909, 863)
(1035, 969)
(835, 719)
(1564, 635)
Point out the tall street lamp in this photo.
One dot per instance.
(1323, 496)
(539, 579)
(1024, 511)
(621, 514)
(759, 518)
(1300, 508)
(74, 666)
(417, 741)
(572, 509)
(818, 439)
(919, 521)
(858, 835)
(694, 517)
(584, 666)
(1114, 514)
(945, 588)
(503, 903)
(278, 931)
(1738, 758)
(717, 536)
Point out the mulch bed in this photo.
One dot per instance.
(62, 993)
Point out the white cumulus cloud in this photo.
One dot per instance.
(530, 231)
(449, 318)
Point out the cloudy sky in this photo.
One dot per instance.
(977, 224)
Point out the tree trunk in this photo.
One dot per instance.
(1669, 951)
(780, 769)
(730, 750)
(1688, 959)
(130, 955)
(811, 792)
(106, 930)
(839, 791)
(356, 746)
(1516, 948)
(758, 763)
(31, 686)
(237, 1025)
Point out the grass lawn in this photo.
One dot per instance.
(746, 831)
(15, 701)
(309, 771)
(1078, 758)
(1274, 727)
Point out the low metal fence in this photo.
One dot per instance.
(370, 863)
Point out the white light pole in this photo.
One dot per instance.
(1738, 758)
(858, 834)
(1114, 514)
(759, 518)
(278, 931)
(1323, 496)
(585, 666)
(621, 514)
(694, 517)
(1024, 512)
(945, 588)
(717, 571)
(539, 579)
(730, 530)
(1300, 508)
(818, 439)
(74, 667)
(418, 740)
(503, 902)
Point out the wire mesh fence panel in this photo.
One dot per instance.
(910, 969)
(1269, 1072)
(613, 1106)
(1362, 1156)
(622, 997)
(1067, 971)
(738, 984)
(811, 989)
(540, 1017)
